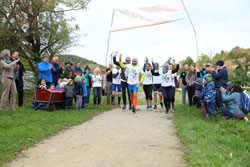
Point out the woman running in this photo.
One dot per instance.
(157, 85)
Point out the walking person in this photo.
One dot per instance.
(220, 80)
(116, 85)
(157, 85)
(8, 84)
(88, 78)
(58, 73)
(45, 70)
(18, 77)
(183, 83)
(109, 79)
(97, 86)
(133, 71)
(190, 79)
(124, 81)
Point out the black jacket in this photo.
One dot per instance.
(122, 70)
(57, 73)
(19, 74)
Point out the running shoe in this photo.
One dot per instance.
(155, 107)
(161, 104)
(110, 104)
(124, 107)
(130, 107)
(119, 106)
(133, 110)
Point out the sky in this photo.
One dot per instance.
(220, 25)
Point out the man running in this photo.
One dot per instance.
(133, 72)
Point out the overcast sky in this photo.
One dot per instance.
(220, 25)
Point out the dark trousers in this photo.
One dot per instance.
(191, 91)
(225, 112)
(124, 90)
(196, 101)
(97, 94)
(19, 87)
(68, 102)
(173, 99)
(83, 102)
(168, 95)
(218, 99)
(88, 95)
(148, 91)
(210, 109)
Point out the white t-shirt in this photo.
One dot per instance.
(174, 75)
(117, 79)
(167, 79)
(97, 80)
(157, 79)
(133, 74)
(148, 78)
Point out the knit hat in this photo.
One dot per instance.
(135, 59)
(208, 77)
(220, 63)
(69, 80)
(78, 78)
(65, 80)
(198, 80)
(127, 59)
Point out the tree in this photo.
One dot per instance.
(35, 27)
(188, 61)
(203, 58)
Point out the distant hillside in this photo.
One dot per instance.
(73, 59)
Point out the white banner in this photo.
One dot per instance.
(143, 17)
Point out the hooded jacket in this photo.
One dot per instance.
(220, 78)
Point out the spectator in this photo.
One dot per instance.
(221, 79)
(190, 79)
(42, 84)
(198, 91)
(78, 92)
(232, 102)
(209, 68)
(69, 94)
(83, 82)
(109, 79)
(184, 84)
(58, 70)
(7, 79)
(77, 70)
(45, 70)
(18, 77)
(208, 96)
(203, 72)
(68, 72)
(97, 86)
(88, 78)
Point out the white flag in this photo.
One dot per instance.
(143, 17)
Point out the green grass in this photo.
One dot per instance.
(209, 143)
(20, 129)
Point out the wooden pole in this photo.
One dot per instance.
(195, 35)
(107, 51)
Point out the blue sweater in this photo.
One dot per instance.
(45, 72)
(221, 78)
(208, 94)
(233, 102)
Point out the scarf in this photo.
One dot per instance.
(7, 60)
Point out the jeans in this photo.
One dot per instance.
(168, 95)
(79, 102)
(97, 94)
(225, 112)
(210, 109)
(184, 90)
(86, 99)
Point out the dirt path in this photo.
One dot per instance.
(113, 139)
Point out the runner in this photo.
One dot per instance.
(124, 81)
(116, 83)
(148, 82)
(167, 82)
(157, 85)
(134, 72)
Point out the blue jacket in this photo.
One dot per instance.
(77, 71)
(57, 73)
(221, 78)
(85, 93)
(45, 72)
(233, 102)
(208, 94)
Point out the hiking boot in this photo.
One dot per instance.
(161, 104)
(124, 107)
(155, 107)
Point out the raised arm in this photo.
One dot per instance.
(120, 62)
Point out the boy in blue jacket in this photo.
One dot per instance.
(208, 96)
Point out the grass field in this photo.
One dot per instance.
(20, 129)
(212, 143)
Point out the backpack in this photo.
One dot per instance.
(245, 103)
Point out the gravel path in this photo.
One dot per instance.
(115, 138)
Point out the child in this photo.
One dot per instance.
(64, 83)
(69, 94)
(198, 91)
(78, 92)
(42, 84)
(58, 83)
(208, 96)
(83, 81)
(52, 87)
(116, 84)
(97, 86)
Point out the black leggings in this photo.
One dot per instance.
(124, 90)
(173, 99)
(168, 94)
(148, 91)
(191, 91)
